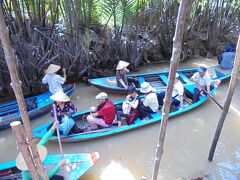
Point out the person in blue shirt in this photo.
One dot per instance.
(227, 58)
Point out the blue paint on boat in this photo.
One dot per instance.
(80, 163)
(44, 104)
(107, 83)
(156, 117)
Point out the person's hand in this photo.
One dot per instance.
(63, 162)
(55, 125)
(142, 99)
(128, 97)
(64, 70)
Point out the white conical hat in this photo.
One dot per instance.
(60, 96)
(20, 162)
(122, 64)
(52, 68)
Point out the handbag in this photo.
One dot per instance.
(66, 125)
(126, 108)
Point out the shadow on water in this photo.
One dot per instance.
(131, 155)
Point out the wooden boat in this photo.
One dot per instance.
(77, 165)
(158, 80)
(156, 117)
(9, 112)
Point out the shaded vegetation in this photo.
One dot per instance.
(88, 36)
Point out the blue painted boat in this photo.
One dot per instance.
(156, 117)
(9, 112)
(77, 165)
(158, 80)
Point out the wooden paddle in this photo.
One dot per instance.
(59, 140)
(214, 100)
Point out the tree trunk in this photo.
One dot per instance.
(22, 144)
(177, 46)
(16, 85)
(231, 89)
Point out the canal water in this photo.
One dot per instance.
(129, 156)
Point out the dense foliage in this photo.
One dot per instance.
(88, 36)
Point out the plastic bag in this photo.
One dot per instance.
(126, 108)
(66, 125)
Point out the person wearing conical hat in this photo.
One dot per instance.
(121, 74)
(42, 150)
(64, 109)
(54, 80)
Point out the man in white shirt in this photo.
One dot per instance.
(202, 80)
(150, 102)
(54, 80)
(177, 94)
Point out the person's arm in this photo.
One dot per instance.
(44, 80)
(122, 83)
(56, 169)
(194, 77)
(181, 101)
(208, 89)
(73, 107)
(64, 74)
(47, 136)
(60, 79)
(134, 104)
(146, 101)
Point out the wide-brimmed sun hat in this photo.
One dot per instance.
(202, 69)
(146, 88)
(60, 96)
(122, 64)
(101, 95)
(20, 162)
(52, 68)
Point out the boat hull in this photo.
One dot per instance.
(44, 105)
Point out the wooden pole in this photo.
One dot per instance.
(176, 52)
(231, 89)
(211, 97)
(16, 85)
(18, 132)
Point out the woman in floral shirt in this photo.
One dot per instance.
(64, 109)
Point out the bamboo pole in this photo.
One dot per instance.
(176, 52)
(16, 85)
(18, 133)
(231, 89)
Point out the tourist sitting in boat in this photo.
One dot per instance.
(64, 110)
(177, 94)
(104, 114)
(121, 74)
(54, 80)
(149, 104)
(202, 80)
(129, 110)
(42, 150)
(227, 58)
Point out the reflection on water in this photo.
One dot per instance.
(131, 155)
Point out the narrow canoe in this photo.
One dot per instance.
(156, 117)
(158, 80)
(9, 112)
(77, 165)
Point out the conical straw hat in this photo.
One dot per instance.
(121, 65)
(60, 96)
(52, 68)
(20, 162)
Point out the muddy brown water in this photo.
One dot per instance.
(130, 155)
